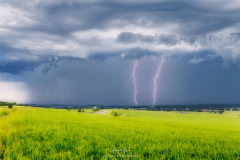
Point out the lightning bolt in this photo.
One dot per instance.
(134, 81)
(155, 82)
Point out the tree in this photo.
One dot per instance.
(10, 106)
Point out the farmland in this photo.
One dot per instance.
(40, 133)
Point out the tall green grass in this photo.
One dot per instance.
(37, 133)
(4, 113)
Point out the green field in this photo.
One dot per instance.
(38, 133)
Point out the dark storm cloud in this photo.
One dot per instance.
(63, 18)
(17, 67)
(193, 20)
(92, 82)
(95, 82)
(83, 51)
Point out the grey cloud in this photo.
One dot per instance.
(130, 54)
(128, 37)
(137, 53)
(58, 20)
(64, 17)
(235, 34)
(168, 39)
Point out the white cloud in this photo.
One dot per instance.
(25, 57)
(196, 61)
(14, 92)
(14, 17)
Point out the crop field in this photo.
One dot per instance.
(40, 133)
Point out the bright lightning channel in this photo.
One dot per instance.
(155, 82)
(134, 81)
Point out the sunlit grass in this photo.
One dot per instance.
(38, 133)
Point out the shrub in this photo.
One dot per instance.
(79, 110)
(10, 106)
(95, 109)
(115, 113)
(68, 109)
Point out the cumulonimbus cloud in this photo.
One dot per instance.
(84, 29)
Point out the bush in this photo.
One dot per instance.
(68, 109)
(79, 110)
(115, 113)
(10, 106)
(95, 109)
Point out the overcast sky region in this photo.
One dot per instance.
(82, 52)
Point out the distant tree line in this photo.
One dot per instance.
(11, 103)
(216, 108)
(194, 108)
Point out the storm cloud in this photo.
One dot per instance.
(42, 38)
(81, 29)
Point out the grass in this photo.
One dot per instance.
(38, 133)
(4, 113)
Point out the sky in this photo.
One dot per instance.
(83, 52)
